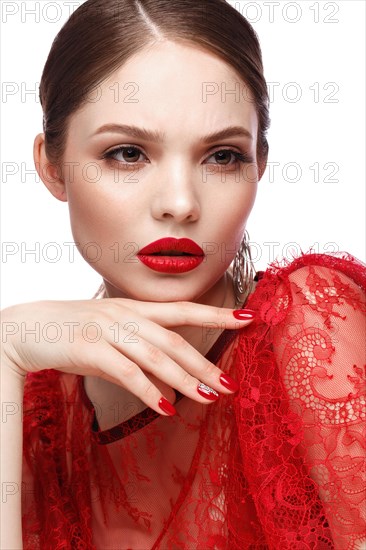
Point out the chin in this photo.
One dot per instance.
(162, 290)
(166, 297)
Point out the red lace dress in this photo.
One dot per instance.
(278, 465)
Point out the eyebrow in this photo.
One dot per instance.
(158, 137)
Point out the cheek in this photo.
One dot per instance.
(233, 208)
(230, 220)
(95, 215)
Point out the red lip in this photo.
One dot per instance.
(172, 264)
(169, 243)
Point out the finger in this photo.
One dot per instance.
(189, 359)
(170, 314)
(165, 389)
(184, 359)
(153, 360)
(118, 369)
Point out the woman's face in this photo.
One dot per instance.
(170, 180)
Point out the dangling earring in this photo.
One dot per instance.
(99, 293)
(243, 271)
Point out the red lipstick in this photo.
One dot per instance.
(171, 255)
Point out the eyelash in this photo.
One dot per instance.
(108, 156)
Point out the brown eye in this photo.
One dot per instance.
(127, 155)
(130, 154)
(223, 155)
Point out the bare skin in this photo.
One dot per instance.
(182, 186)
(179, 188)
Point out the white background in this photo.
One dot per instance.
(313, 49)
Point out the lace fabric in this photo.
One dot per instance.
(279, 465)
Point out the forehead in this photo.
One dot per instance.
(170, 84)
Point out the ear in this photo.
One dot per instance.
(50, 174)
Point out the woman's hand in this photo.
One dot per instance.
(124, 341)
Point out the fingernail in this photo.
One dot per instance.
(229, 382)
(207, 392)
(244, 314)
(166, 406)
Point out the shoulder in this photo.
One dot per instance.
(341, 262)
(319, 281)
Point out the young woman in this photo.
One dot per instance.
(192, 405)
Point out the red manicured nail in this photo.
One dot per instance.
(229, 382)
(244, 314)
(207, 392)
(166, 406)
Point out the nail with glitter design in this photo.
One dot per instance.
(207, 392)
(229, 382)
(166, 406)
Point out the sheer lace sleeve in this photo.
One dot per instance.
(300, 409)
(320, 350)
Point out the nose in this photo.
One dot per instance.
(175, 196)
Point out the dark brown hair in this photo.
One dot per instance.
(101, 35)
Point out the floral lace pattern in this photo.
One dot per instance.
(279, 465)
